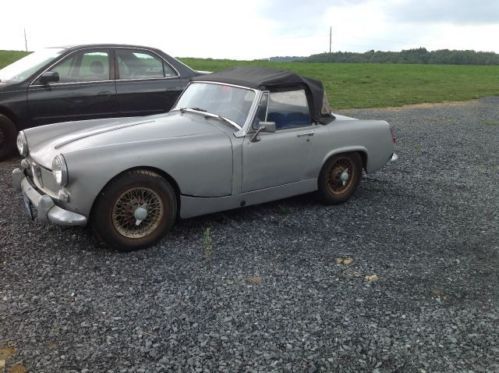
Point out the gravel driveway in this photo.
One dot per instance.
(402, 278)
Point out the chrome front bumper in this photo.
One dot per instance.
(47, 210)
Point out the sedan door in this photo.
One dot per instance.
(146, 84)
(85, 90)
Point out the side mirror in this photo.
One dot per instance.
(262, 127)
(268, 126)
(49, 77)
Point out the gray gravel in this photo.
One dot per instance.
(270, 294)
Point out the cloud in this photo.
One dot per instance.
(396, 25)
(298, 17)
(444, 11)
(257, 28)
(218, 29)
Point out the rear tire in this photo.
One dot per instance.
(339, 178)
(134, 211)
(8, 135)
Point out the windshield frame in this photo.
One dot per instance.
(57, 54)
(251, 112)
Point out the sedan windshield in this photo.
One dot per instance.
(22, 69)
(226, 101)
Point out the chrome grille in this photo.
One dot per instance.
(48, 180)
(36, 174)
(43, 179)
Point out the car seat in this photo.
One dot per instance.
(278, 118)
(97, 70)
(296, 118)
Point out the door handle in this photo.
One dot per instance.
(304, 134)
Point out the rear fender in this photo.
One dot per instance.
(348, 149)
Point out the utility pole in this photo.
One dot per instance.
(330, 38)
(25, 40)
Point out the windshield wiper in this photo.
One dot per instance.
(226, 120)
(184, 109)
(210, 115)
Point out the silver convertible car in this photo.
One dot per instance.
(235, 138)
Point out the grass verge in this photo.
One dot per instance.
(350, 85)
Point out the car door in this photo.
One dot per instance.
(281, 157)
(85, 89)
(146, 84)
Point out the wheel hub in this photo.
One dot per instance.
(137, 212)
(344, 176)
(140, 214)
(340, 176)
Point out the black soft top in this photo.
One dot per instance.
(276, 80)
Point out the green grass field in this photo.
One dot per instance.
(7, 57)
(351, 85)
(372, 85)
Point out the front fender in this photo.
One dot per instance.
(200, 165)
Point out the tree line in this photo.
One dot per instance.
(416, 56)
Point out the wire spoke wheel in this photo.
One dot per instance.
(340, 178)
(134, 211)
(137, 212)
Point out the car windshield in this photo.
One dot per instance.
(22, 69)
(226, 101)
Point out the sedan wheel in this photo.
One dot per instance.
(339, 178)
(8, 135)
(135, 210)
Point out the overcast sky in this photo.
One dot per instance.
(254, 28)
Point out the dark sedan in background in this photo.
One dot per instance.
(85, 82)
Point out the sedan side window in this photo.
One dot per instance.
(87, 66)
(289, 109)
(135, 64)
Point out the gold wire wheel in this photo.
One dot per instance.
(137, 212)
(340, 178)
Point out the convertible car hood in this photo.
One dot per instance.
(46, 142)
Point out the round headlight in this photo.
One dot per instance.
(60, 170)
(22, 144)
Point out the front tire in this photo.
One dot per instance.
(134, 211)
(8, 135)
(339, 178)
